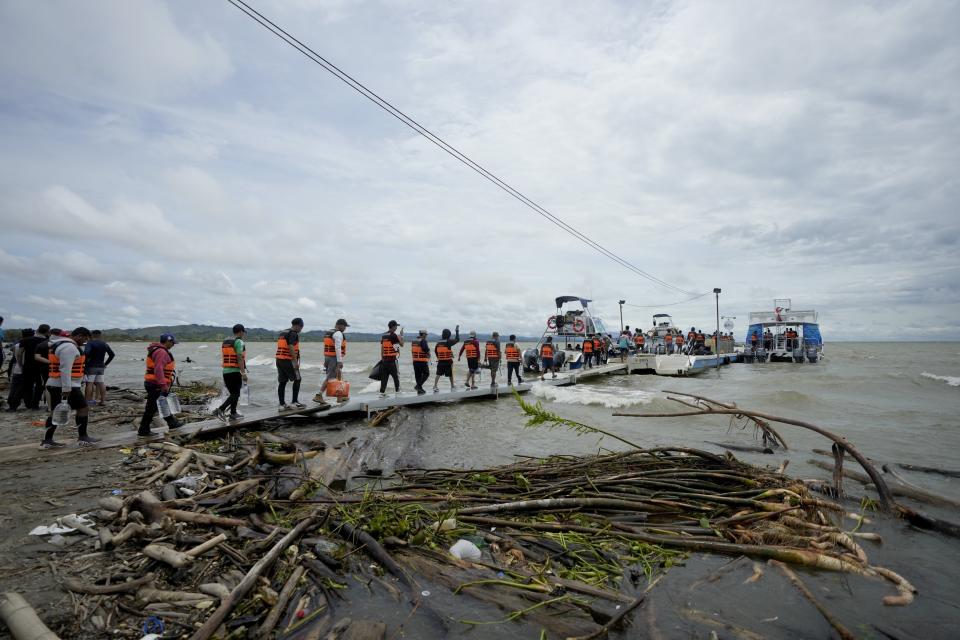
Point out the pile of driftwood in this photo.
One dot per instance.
(246, 537)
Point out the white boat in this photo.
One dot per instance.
(783, 335)
(569, 328)
(666, 359)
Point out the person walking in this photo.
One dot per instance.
(444, 352)
(36, 369)
(514, 358)
(623, 344)
(639, 340)
(64, 383)
(492, 355)
(157, 380)
(98, 356)
(546, 358)
(679, 342)
(334, 351)
(15, 371)
(472, 348)
(420, 353)
(233, 362)
(288, 364)
(390, 343)
(588, 351)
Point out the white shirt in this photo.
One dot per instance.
(338, 344)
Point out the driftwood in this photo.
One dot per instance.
(172, 557)
(226, 606)
(382, 415)
(77, 586)
(277, 610)
(896, 489)
(794, 579)
(22, 620)
(175, 469)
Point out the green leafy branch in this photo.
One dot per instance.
(538, 416)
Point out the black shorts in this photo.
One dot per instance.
(445, 368)
(494, 364)
(473, 364)
(75, 399)
(285, 371)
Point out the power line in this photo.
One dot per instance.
(440, 143)
(670, 304)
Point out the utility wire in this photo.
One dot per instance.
(671, 304)
(444, 146)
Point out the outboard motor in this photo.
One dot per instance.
(798, 355)
(761, 355)
(812, 354)
(747, 355)
(531, 361)
(559, 358)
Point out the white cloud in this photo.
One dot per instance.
(47, 302)
(304, 301)
(130, 310)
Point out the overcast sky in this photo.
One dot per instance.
(173, 162)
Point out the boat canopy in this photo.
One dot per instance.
(809, 331)
(563, 299)
(784, 316)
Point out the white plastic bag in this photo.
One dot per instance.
(464, 550)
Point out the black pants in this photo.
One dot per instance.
(389, 369)
(76, 401)
(285, 374)
(29, 392)
(421, 373)
(16, 392)
(233, 382)
(150, 410)
(513, 367)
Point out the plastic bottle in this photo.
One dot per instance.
(163, 406)
(61, 414)
(174, 403)
(244, 395)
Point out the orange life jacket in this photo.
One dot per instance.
(76, 371)
(512, 352)
(387, 350)
(444, 353)
(588, 346)
(168, 369)
(283, 348)
(546, 350)
(754, 337)
(639, 339)
(597, 344)
(472, 349)
(691, 336)
(330, 347)
(230, 358)
(668, 339)
(679, 339)
(491, 350)
(419, 355)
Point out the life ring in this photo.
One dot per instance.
(578, 326)
(552, 322)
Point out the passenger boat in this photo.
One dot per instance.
(666, 359)
(569, 327)
(783, 335)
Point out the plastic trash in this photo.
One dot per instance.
(163, 406)
(61, 414)
(464, 550)
(153, 627)
(189, 482)
(116, 492)
(174, 403)
(244, 395)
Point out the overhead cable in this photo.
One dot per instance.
(440, 143)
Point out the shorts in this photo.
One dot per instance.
(286, 372)
(546, 363)
(473, 364)
(75, 398)
(445, 368)
(494, 364)
(93, 374)
(330, 364)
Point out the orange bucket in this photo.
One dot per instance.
(338, 389)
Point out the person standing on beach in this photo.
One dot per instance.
(31, 374)
(157, 379)
(288, 363)
(444, 352)
(492, 355)
(546, 358)
(512, 353)
(420, 353)
(15, 371)
(334, 351)
(472, 346)
(64, 383)
(98, 355)
(234, 365)
(390, 344)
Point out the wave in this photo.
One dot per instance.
(203, 346)
(588, 395)
(258, 361)
(356, 368)
(950, 380)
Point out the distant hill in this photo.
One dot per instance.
(209, 333)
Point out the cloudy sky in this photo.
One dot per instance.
(173, 162)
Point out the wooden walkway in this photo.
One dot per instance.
(362, 403)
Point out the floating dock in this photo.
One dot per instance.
(361, 403)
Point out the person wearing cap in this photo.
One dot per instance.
(546, 358)
(420, 352)
(334, 351)
(234, 365)
(444, 352)
(157, 379)
(65, 383)
(492, 356)
(472, 346)
(390, 344)
(288, 363)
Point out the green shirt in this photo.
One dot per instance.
(239, 347)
